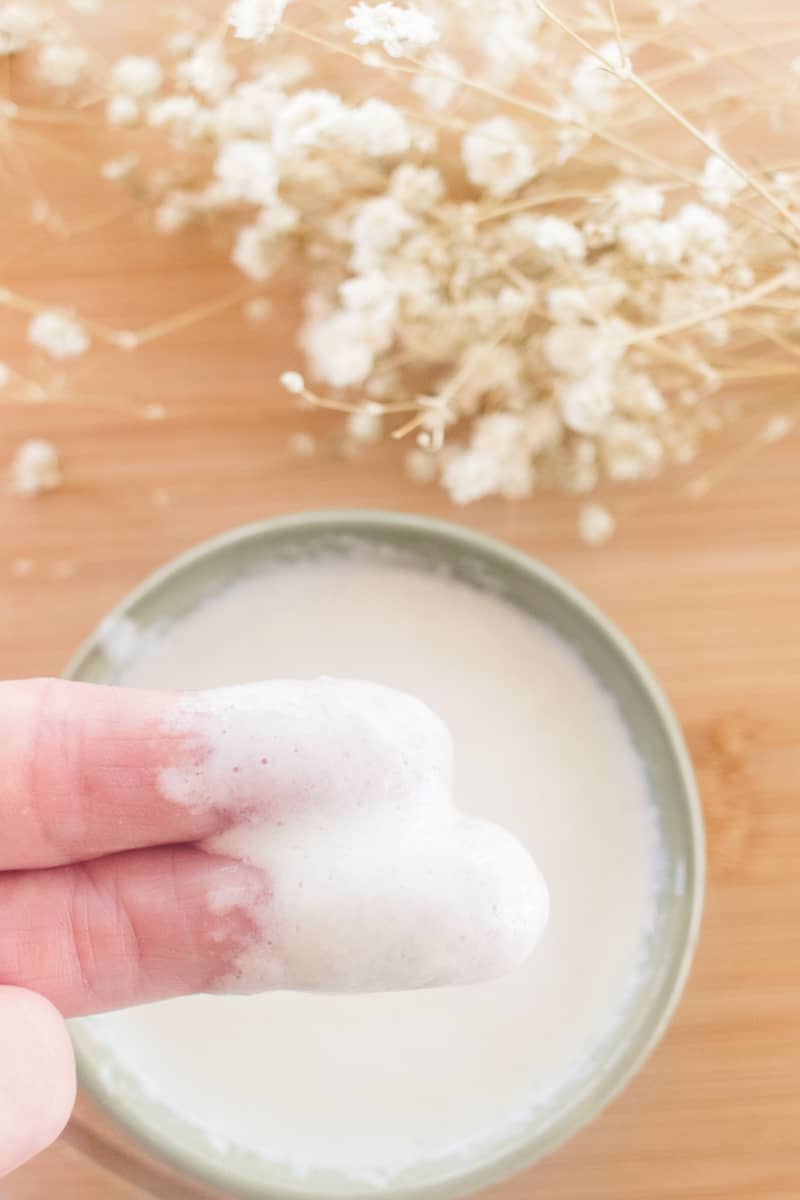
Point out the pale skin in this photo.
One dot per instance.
(105, 898)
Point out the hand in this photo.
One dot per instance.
(104, 901)
(110, 802)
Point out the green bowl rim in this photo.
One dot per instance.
(376, 521)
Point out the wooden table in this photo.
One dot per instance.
(709, 591)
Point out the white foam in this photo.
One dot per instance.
(375, 880)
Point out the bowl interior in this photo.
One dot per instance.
(178, 588)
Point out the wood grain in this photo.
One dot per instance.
(708, 591)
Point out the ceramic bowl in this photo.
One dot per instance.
(180, 586)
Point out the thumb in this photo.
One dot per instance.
(37, 1075)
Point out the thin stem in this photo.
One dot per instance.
(718, 310)
(538, 201)
(702, 484)
(617, 31)
(627, 73)
(692, 129)
(678, 70)
(190, 317)
(10, 299)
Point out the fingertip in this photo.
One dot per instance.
(37, 1084)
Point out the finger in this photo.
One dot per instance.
(87, 771)
(37, 1079)
(131, 928)
(81, 771)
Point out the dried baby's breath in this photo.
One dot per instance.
(36, 468)
(535, 240)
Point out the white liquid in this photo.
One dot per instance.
(372, 1084)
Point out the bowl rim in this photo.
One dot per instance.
(488, 549)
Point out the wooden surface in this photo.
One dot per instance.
(709, 592)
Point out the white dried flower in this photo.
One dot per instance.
(497, 157)
(425, 140)
(400, 31)
(61, 64)
(136, 75)
(669, 11)
(180, 43)
(707, 233)
(341, 348)
(115, 169)
(632, 201)
(122, 110)
(207, 72)
(173, 213)
(378, 226)
(575, 349)
(19, 24)
(543, 428)
(249, 111)
(496, 460)
(500, 434)
(421, 466)
(742, 275)
(594, 86)
(630, 450)
(654, 243)
(438, 81)
(257, 310)
(416, 188)
(377, 129)
(571, 139)
(255, 20)
(287, 70)
(371, 294)
(307, 118)
(636, 395)
(568, 304)
(719, 183)
(587, 402)
(595, 524)
(487, 367)
(557, 238)
(247, 170)
(777, 427)
(36, 468)
(509, 40)
(180, 114)
(365, 426)
(293, 382)
(497, 324)
(682, 298)
(469, 475)
(254, 251)
(58, 333)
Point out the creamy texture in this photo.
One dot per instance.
(371, 1084)
(341, 793)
